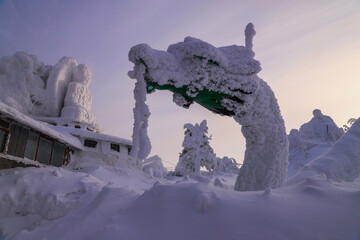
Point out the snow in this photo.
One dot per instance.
(313, 139)
(185, 209)
(56, 93)
(249, 35)
(39, 126)
(229, 70)
(340, 163)
(90, 199)
(141, 141)
(154, 167)
(197, 151)
(68, 131)
(41, 194)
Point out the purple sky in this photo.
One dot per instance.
(309, 51)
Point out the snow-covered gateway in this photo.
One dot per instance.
(223, 80)
(45, 115)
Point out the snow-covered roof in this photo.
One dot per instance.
(39, 126)
(91, 135)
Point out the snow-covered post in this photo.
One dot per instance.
(141, 142)
(249, 35)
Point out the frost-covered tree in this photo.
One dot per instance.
(197, 151)
(349, 122)
(227, 165)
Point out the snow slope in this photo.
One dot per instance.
(340, 163)
(313, 139)
(313, 209)
(91, 200)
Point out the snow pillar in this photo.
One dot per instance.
(249, 35)
(141, 141)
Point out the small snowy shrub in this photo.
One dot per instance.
(227, 165)
(349, 122)
(197, 151)
(154, 167)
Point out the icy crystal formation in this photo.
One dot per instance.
(58, 94)
(225, 81)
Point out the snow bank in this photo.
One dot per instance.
(315, 209)
(49, 193)
(340, 163)
(197, 66)
(313, 139)
(52, 93)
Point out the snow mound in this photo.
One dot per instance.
(314, 209)
(154, 167)
(55, 93)
(51, 194)
(42, 194)
(340, 163)
(313, 139)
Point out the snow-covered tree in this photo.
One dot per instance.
(227, 164)
(349, 122)
(197, 151)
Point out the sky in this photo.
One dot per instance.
(309, 51)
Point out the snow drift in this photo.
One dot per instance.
(314, 209)
(340, 163)
(313, 139)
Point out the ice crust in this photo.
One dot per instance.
(57, 93)
(230, 70)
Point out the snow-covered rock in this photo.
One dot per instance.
(312, 140)
(340, 163)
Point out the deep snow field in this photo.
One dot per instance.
(89, 199)
(102, 202)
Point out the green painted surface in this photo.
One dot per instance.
(208, 99)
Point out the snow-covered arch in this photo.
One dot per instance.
(223, 80)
